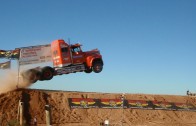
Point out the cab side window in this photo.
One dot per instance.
(64, 50)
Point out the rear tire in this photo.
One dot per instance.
(47, 73)
(31, 75)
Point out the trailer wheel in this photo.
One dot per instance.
(97, 67)
(47, 73)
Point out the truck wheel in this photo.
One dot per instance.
(31, 75)
(97, 67)
(47, 73)
(88, 70)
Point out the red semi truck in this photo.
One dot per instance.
(66, 59)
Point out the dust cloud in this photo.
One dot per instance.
(10, 81)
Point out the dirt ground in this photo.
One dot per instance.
(62, 115)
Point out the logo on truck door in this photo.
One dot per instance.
(79, 56)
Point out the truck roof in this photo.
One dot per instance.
(76, 45)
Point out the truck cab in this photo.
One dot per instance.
(66, 56)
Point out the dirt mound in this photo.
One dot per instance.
(35, 101)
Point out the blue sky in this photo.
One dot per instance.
(148, 46)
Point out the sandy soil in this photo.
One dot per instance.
(62, 115)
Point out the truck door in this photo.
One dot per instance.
(65, 55)
(77, 55)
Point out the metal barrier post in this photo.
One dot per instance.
(48, 117)
(21, 113)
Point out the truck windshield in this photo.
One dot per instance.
(76, 49)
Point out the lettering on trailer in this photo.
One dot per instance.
(35, 54)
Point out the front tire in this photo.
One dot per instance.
(97, 67)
